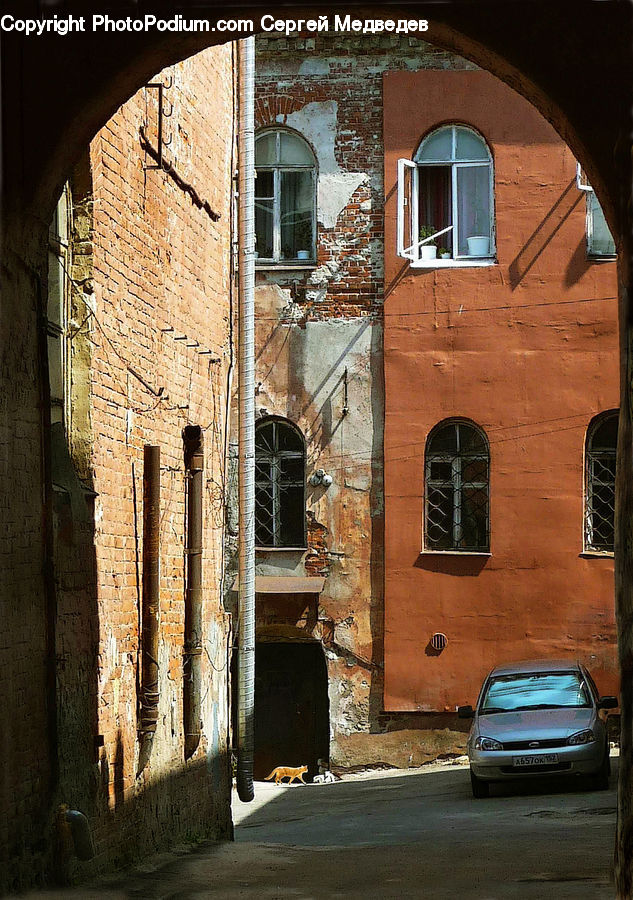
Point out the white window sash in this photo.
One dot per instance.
(407, 209)
(581, 179)
(583, 185)
(595, 210)
(472, 165)
(408, 205)
(277, 213)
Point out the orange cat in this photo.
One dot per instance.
(287, 772)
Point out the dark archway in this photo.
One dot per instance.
(571, 59)
(291, 706)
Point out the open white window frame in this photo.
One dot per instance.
(583, 185)
(409, 218)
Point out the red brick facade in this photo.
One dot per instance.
(151, 331)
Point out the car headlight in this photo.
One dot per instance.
(486, 743)
(581, 737)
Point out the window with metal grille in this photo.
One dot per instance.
(457, 488)
(602, 439)
(279, 484)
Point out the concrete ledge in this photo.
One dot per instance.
(401, 749)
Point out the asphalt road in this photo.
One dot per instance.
(395, 835)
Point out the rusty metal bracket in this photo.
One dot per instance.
(160, 87)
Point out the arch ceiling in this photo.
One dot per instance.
(570, 58)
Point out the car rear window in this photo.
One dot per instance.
(535, 690)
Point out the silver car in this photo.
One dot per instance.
(538, 718)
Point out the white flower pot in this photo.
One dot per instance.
(428, 251)
(478, 245)
(303, 254)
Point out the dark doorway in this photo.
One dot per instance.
(291, 706)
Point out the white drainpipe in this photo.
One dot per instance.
(246, 216)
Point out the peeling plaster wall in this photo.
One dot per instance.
(312, 324)
(301, 376)
(317, 122)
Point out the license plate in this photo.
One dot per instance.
(542, 759)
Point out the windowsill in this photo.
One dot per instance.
(455, 553)
(602, 257)
(285, 267)
(452, 263)
(597, 554)
(280, 549)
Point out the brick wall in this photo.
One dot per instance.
(339, 80)
(152, 312)
(25, 771)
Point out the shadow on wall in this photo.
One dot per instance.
(76, 635)
(544, 233)
(149, 817)
(463, 565)
(128, 817)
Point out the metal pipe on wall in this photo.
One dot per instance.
(192, 657)
(150, 603)
(246, 636)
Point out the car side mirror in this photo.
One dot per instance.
(608, 703)
(465, 712)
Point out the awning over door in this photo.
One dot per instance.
(288, 584)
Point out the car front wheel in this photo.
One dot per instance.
(480, 788)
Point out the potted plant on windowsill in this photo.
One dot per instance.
(428, 250)
(443, 253)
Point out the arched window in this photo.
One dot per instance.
(285, 198)
(602, 440)
(279, 484)
(445, 198)
(457, 470)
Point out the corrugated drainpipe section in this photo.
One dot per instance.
(150, 603)
(246, 634)
(192, 662)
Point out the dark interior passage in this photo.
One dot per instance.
(291, 706)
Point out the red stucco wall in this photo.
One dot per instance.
(527, 348)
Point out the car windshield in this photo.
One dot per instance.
(535, 690)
